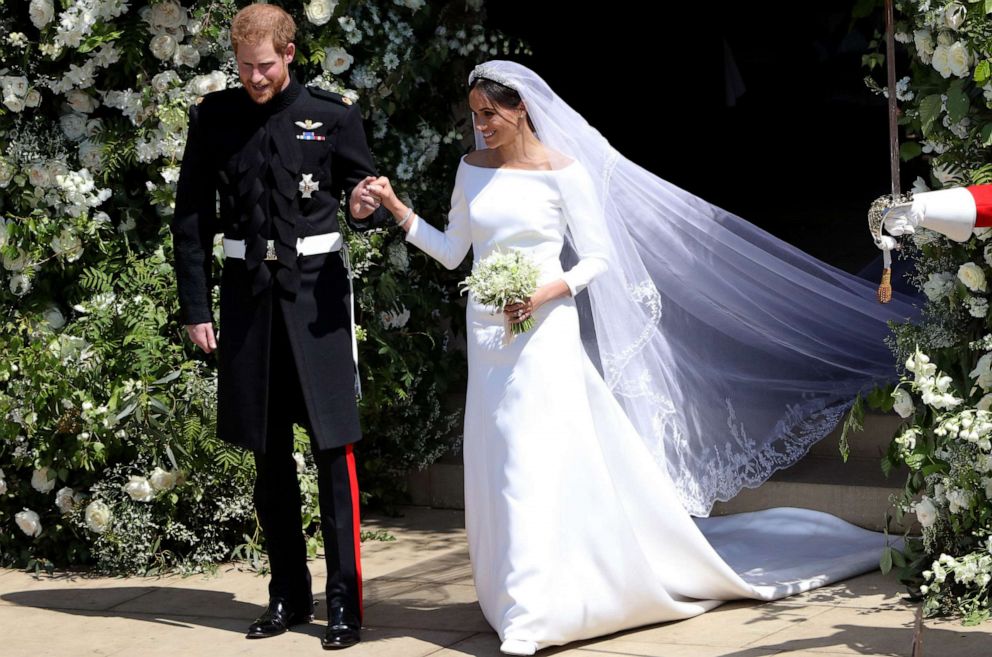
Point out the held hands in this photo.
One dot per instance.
(381, 190)
(362, 203)
(202, 336)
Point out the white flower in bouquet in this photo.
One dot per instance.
(15, 262)
(336, 60)
(39, 174)
(301, 464)
(55, 169)
(186, 56)
(53, 318)
(73, 125)
(91, 154)
(3, 483)
(29, 522)
(502, 278)
(66, 499)
(395, 319)
(97, 516)
(33, 98)
(164, 81)
(954, 15)
(319, 12)
(958, 59)
(959, 500)
(941, 61)
(162, 479)
(938, 285)
(978, 306)
(43, 480)
(81, 102)
(93, 127)
(7, 171)
(166, 16)
(398, 256)
(67, 245)
(987, 484)
(923, 40)
(902, 403)
(202, 85)
(926, 512)
(982, 374)
(412, 4)
(139, 489)
(935, 392)
(14, 103)
(41, 12)
(163, 46)
(106, 55)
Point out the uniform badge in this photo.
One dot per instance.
(309, 126)
(308, 185)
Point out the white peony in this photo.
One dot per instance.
(954, 15)
(67, 245)
(926, 512)
(163, 46)
(903, 403)
(139, 489)
(14, 103)
(166, 16)
(65, 499)
(29, 522)
(41, 12)
(319, 12)
(940, 61)
(186, 56)
(73, 125)
(91, 155)
(98, 516)
(164, 81)
(973, 277)
(337, 60)
(33, 98)
(301, 464)
(53, 318)
(958, 59)
(82, 102)
(202, 85)
(43, 480)
(162, 479)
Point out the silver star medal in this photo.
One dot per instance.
(308, 185)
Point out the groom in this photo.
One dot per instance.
(280, 156)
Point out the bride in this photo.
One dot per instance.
(708, 356)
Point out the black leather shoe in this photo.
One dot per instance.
(343, 629)
(278, 617)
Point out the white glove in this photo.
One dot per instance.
(904, 220)
(886, 243)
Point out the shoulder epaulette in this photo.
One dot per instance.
(317, 92)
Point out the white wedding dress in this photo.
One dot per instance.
(574, 530)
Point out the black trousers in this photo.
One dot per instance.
(277, 494)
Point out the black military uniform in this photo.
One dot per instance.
(285, 338)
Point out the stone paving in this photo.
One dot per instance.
(420, 601)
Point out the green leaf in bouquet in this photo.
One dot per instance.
(929, 112)
(983, 70)
(957, 101)
(885, 563)
(909, 150)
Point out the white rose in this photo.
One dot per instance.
(91, 155)
(186, 56)
(97, 516)
(202, 85)
(972, 276)
(73, 125)
(903, 403)
(6, 174)
(54, 318)
(80, 101)
(56, 168)
(163, 46)
(65, 499)
(954, 15)
(41, 12)
(29, 522)
(33, 98)
(164, 81)
(15, 262)
(139, 489)
(319, 12)
(67, 245)
(43, 480)
(14, 103)
(958, 59)
(926, 512)
(301, 464)
(162, 480)
(38, 174)
(337, 60)
(168, 15)
(940, 61)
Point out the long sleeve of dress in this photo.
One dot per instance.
(584, 218)
(450, 247)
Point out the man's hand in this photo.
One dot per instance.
(202, 336)
(904, 220)
(362, 203)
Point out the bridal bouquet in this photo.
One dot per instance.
(502, 278)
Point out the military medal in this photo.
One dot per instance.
(308, 185)
(309, 126)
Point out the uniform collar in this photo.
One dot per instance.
(284, 98)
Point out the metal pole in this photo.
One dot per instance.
(890, 62)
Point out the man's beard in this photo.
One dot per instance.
(274, 87)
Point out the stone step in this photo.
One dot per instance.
(871, 443)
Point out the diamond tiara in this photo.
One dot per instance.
(485, 72)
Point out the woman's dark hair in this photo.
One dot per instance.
(501, 96)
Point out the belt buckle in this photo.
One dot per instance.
(270, 250)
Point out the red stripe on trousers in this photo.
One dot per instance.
(353, 477)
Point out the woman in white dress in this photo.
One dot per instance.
(579, 476)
